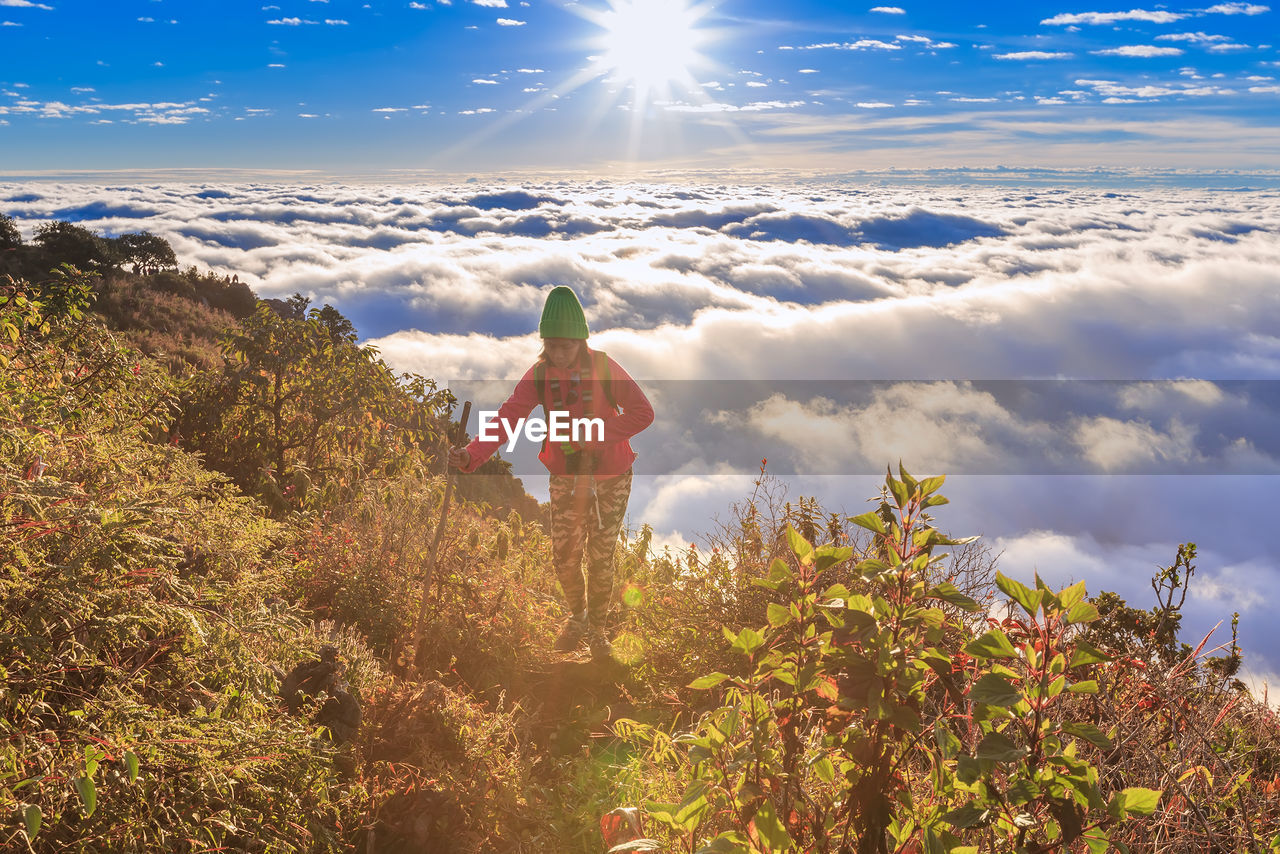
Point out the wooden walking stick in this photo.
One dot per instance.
(435, 543)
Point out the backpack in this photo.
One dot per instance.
(599, 368)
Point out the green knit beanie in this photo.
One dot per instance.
(562, 316)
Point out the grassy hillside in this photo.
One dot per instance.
(204, 507)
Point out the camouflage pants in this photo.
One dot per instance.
(575, 528)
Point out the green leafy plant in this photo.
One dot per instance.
(870, 719)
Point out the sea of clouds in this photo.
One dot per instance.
(1094, 368)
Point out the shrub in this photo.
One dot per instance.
(870, 717)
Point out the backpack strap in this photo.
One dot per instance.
(540, 383)
(601, 369)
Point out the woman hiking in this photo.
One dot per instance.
(590, 478)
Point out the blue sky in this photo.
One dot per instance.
(608, 85)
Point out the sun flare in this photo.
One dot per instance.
(650, 44)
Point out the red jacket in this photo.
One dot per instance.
(615, 454)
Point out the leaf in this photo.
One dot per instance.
(88, 794)
(948, 592)
(131, 765)
(901, 491)
(32, 817)
(800, 546)
(1096, 839)
(999, 747)
(949, 744)
(993, 644)
(770, 828)
(1022, 791)
(702, 683)
(869, 520)
(871, 566)
(994, 690)
(728, 842)
(636, 845)
(664, 814)
(1086, 687)
(1082, 612)
(748, 641)
(780, 572)
(829, 556)
(969, 815)
(778, 615)
(694, 805)
(825, 770)
(1071, 595)
(826, 688)
(1017, 591)
(1136, 800)
(1089, 733)
(930, 485)
(1087, 653)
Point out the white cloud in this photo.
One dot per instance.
(1194, 38)
(25, 4)
(290, 22)
(416, 5)
(510, 22)
(492, 4)
(484, 82)
(1156, 17)
(334, 22)
(807, 71)
(389, 110)
(888, 10)
(861, 44)
(1032, 55)
(1152, 90)
(1237, 9)
(872, 105)
(1111, 444)
(926, 41)
(1139, 50)
(716, 107)
(530, 71)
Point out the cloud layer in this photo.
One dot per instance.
(1096, 367)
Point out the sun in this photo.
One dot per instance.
(652, 45)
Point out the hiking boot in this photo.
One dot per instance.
(571, 634)
(600, 646)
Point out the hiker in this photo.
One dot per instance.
(590, 480)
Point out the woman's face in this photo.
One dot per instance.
(561, 351)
